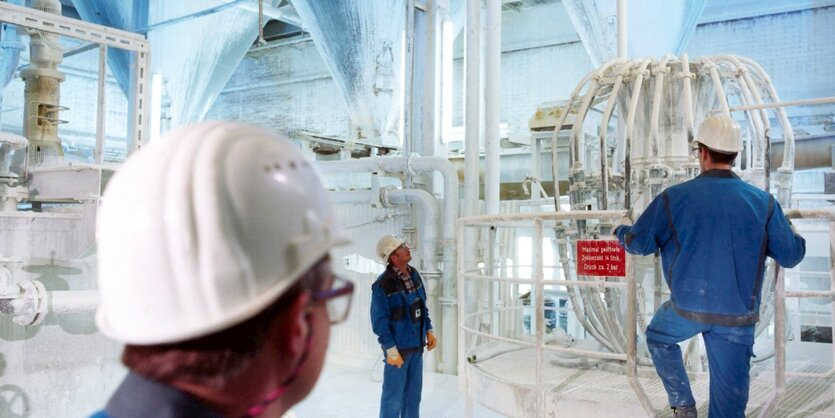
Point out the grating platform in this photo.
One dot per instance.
(506, 383)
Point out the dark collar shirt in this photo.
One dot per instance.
(139, 397)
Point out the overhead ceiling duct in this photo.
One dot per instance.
(660, 26)
(361, 44)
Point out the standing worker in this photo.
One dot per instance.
(401, 321)
(214, 271)
(713, 233)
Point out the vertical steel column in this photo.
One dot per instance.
(538, 313)
(408, 86)
(492, 103)
(101, 102)
(621, 22)
(139, 131)
(472, 107)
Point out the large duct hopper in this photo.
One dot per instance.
(659, 27)
(361, 43)
(195, 45)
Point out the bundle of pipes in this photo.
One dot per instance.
(657, 103)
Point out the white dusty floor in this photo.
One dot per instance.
(351, 392)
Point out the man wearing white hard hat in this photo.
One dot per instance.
(401, 322)
(713, 233)
(214, 271)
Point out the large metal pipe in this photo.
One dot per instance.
(42, 92)
(492, 103)
(621, 22)
(810, 152)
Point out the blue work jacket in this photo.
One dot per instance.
(714, 233)
(399, 318)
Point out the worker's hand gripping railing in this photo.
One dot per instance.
(780, 295)
(468, 274)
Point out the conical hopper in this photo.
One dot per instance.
(196, 56)
(361, 43)
(654, 27)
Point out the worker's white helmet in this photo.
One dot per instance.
(386, 245)
(205, 228)
(720, 133)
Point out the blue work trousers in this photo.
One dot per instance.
(402, 388)
(729, 351)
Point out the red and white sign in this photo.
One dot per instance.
(600, 258)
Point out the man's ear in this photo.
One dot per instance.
(300, 324)
(290, 333)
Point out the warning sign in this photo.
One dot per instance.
(600, 258)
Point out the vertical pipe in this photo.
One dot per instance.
(472, 108)
(658, 95)
(630, 125)
(462, 365)
(472, 112)
(100, 110)
(539, 314)
(779, 331)
(832, 271)
(632, 336)
(621, 11)
(687, 93)
(604, 129)
(492, 102)
(408, 86)
(536, 173)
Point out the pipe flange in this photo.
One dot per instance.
(33, 303)
(409, 161)
(385, 196)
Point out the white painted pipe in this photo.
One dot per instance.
(472, 138)
(621, 19)
(472, 106)
(555, 136)
(408, 85)
(429, 207)
(659, 71)
(62, 302)
(717, 84)
(687, 92)
(492, 103)
(630, 125)
(604, 129)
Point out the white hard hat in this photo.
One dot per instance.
(386, 245)
(720, 133)
(203, 229)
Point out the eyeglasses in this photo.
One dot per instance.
(337, 299)
(694, 149)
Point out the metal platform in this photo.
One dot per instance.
(504, 384)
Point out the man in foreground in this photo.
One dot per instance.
(214, 271)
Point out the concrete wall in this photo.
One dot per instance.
(795, 48)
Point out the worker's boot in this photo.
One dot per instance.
(687, 411)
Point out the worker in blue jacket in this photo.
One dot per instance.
(713, 233)
(401, 322)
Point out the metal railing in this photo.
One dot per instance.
(538, 282)
(780, 295)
